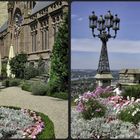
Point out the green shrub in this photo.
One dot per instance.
(11, 82)
(48, 131)
(26, 86)
(61, 95)
(106, 95)
(17, 65)
(132, 91)
(39, 88)
(30, 72)
(5, 83)
(93, 109)
(54, 85)
(4, 71)
(130, 114)
(14, 82)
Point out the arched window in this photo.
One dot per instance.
(18, 17)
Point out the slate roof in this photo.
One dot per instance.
(130, 71)
(40, 5)
(4, 26)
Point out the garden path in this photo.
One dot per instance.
(55, 108)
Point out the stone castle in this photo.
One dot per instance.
(31, 28)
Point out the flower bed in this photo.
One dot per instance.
(21, 123)
(121, 119)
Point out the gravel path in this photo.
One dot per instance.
(55, 108)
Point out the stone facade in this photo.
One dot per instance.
(31, 28)
(129, 76)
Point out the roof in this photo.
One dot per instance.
(40, 5)
(103, 76)
(130, 71)
(4, 26)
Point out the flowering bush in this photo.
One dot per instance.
(92, 108)
(99, 128)
(131, 113)
(121, 118)
(89, 106)
(132, 91)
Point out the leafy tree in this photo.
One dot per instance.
(17, 65)
(60, 59)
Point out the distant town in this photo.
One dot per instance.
(83, 80)
(77, 74)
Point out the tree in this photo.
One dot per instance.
(17, 65)
(60, 59)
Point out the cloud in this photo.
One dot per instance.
(74, 16)
(80, 19)
(77, 17)
(94, 45)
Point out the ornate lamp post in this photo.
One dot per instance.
(104, 26)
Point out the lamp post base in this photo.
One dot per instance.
(103, 80)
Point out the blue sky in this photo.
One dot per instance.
(124, 51)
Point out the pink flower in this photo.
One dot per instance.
(108, 89)
(98, 110)
(80, 107)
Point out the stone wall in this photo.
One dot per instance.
(129, 78)
(49, 18)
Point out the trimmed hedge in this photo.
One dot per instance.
(11, 82)
(26, 86)
(30, 72)
(61, 95)
(39, 88)
(48, 131)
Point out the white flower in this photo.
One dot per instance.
(138, 100)
(76, 100)
(86, 100)
(133, 114)
(128, 98)
(88, 92)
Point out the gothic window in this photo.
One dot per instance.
(34, 45)
(18, 19)
(42, 39)
(32, 42)
(46, 39)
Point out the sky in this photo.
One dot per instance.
(123, 51)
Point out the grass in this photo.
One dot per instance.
(48, 131)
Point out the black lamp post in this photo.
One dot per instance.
(104, 25)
